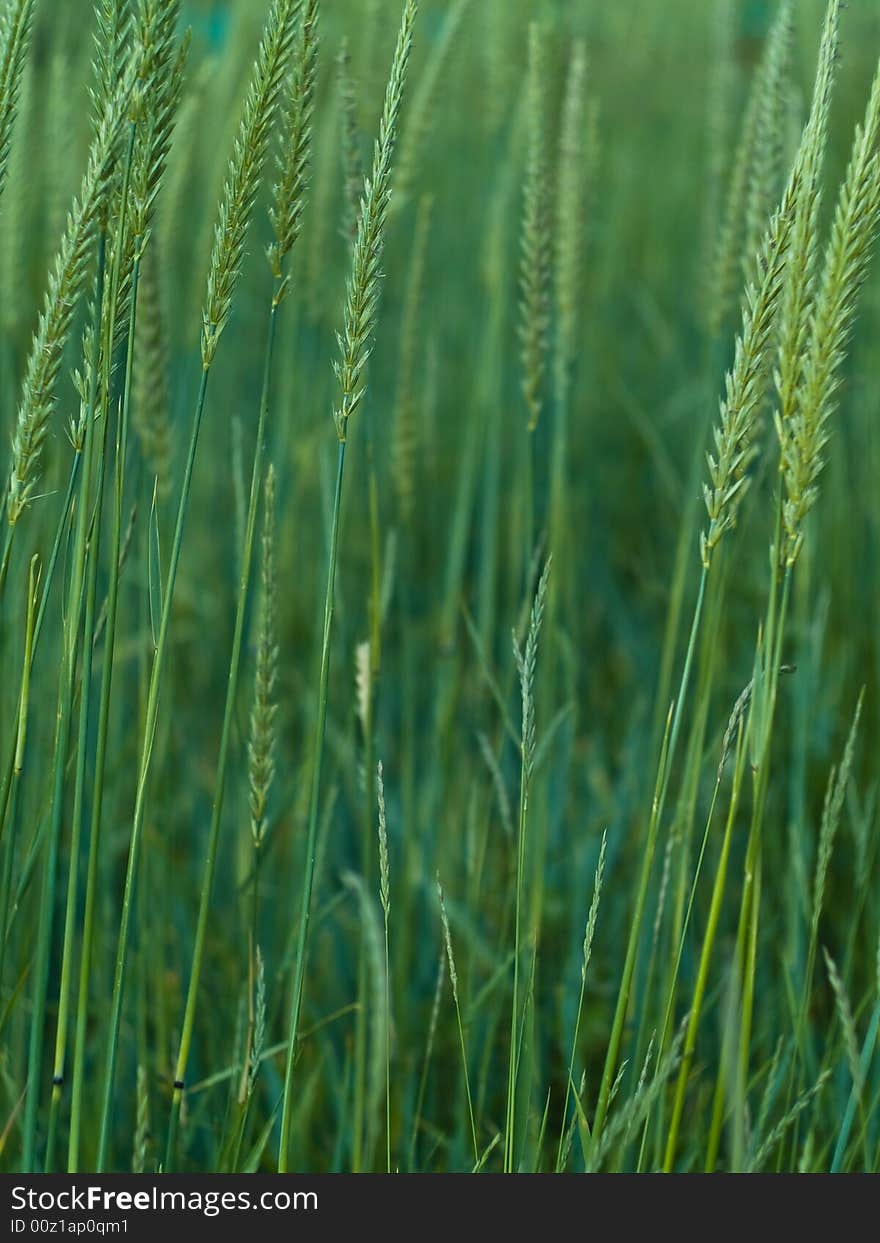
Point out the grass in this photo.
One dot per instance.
(591, 295)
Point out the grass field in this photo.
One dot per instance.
(439, 585)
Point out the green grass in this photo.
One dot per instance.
(361, 363)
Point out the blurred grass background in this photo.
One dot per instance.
(644, 394)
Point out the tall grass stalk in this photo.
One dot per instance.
(385, 897)
(245, 173)
(526, 661)
(360, 322)
(587, 954)
(706, 948)
(154, 119)
(86, 546)
(673, 726)
(285, 219)
(453, 979)
(15, 40)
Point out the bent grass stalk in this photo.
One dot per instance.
(526, 661)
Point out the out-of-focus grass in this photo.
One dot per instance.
(435, 568)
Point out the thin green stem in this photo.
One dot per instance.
(705, 960)
(513, 1063)
(467, 1079)
(152, 715)
(373, 665)
(66, 680)
(312, 837)
(18, 754)
(570, 1074)
(387, 1052)
(210, 865)
(76, 826)
(7, 554)
(91, 893)
(611, 1057)
(746, 937)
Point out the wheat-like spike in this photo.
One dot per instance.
(245, 172)
(18, 210)
(535, 244)
(152, 400)
(447, 940)
(258, 1043)
(352, 166)
(404, 432)
(797, 295)
(577, 143)
(845, 267)
(366, 275)
(62, 295)
(261, 748)
(384, 870)
(766, 163)
(593, 915)
(152, 108)
(847, 1023)
(744, 383)
(423, 109)
(156, 102)
(112, 40)
(112, 30)
(295, 155)
(526, 662)
(15, 37)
